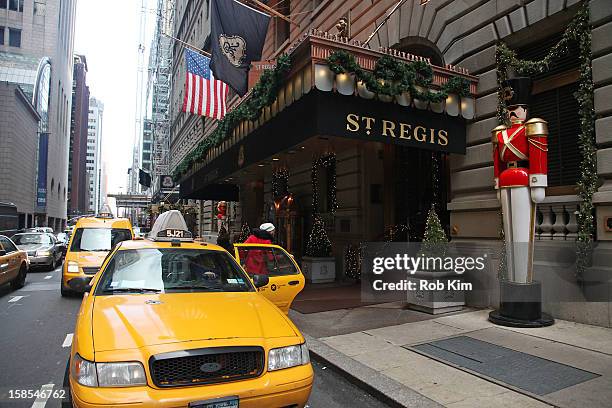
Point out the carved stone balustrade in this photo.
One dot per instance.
(556, 218)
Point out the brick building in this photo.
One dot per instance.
(376, 183)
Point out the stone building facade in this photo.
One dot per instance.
(380, 185)
(18, 142)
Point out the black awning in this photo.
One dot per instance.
(328, 114)
(217, 192)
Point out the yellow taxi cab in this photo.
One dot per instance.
(14, 264)
(170, 322)
(89, 244)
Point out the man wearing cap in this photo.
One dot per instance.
(520, 171)
(256, 262)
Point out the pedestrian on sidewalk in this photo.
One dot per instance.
(223, 240)
(256, 262)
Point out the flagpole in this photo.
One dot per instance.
(399, 3)
(201, 51)
(271, 10)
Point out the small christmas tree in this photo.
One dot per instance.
(319, 245)
(245, 231)
(435, 240)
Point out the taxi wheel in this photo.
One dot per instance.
(67, 400)
(65, 292)
(19, 281)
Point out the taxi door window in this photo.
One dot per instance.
(266, 261)
(8, 245)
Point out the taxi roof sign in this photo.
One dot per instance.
(105, 212)
(170, 226)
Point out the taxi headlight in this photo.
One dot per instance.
(286, 357)
(73, 267)
(120, 374)
(84, 372)
(43, 253)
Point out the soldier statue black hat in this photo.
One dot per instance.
(517, 91)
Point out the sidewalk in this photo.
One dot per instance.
(463, 360)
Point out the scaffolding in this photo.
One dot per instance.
(159, 88)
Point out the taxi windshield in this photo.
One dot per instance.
(170, 270)
(98, 239)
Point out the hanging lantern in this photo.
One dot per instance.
(467, 107)
(420, 104)
(345, 84)
(324, 78)
(452, 104)
(383, 97)
(363, 91)
(437, 107)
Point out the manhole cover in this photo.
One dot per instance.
(530, 373)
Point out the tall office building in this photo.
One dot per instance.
(94, 154)
(36, 50)
(78, 183)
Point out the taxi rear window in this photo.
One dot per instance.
(152, 270)
(98, 239)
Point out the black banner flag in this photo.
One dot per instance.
(237, 37)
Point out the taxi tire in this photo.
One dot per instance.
(66, 292)
(19, 281)
(67, 401)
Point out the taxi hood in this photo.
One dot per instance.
(93, 258)
(138, 320)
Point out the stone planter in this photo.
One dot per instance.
(319, 270)
(439, 300)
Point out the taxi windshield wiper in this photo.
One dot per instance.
(204, 288)
(137, 290)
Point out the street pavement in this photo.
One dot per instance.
(36, 326)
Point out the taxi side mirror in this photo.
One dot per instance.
(2, 252)
(80, 284)
(260, 280)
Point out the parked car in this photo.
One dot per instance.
(62, 241)
(13, 264)
(42, 248)
(40, 229)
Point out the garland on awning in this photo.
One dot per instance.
(262, 95)
(393, 77)
(577, 30)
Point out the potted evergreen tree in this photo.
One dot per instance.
(318, 264)
(441, 299)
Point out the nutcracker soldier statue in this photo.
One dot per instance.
(520, 169)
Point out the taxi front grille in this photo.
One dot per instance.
(206, 366)
(90, 270)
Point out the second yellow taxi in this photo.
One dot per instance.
(169, 322)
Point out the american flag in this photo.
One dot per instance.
(204, 95)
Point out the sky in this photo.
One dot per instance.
(107, 33)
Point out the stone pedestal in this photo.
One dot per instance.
(435, 301)
(319, 270)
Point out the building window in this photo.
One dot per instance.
(14, 37)
(553, 100)
(3, 4)
(16, 5)
(1, 34)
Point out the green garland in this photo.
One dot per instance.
(262, 95)
(327, 161)
(577, 30)
(393, 77)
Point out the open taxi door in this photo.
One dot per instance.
(286, 279)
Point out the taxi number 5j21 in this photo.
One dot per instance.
(175, 233)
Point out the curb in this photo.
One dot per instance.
(380, 386)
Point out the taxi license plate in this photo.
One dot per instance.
(229, 402)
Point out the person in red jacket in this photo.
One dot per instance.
(256, 262)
